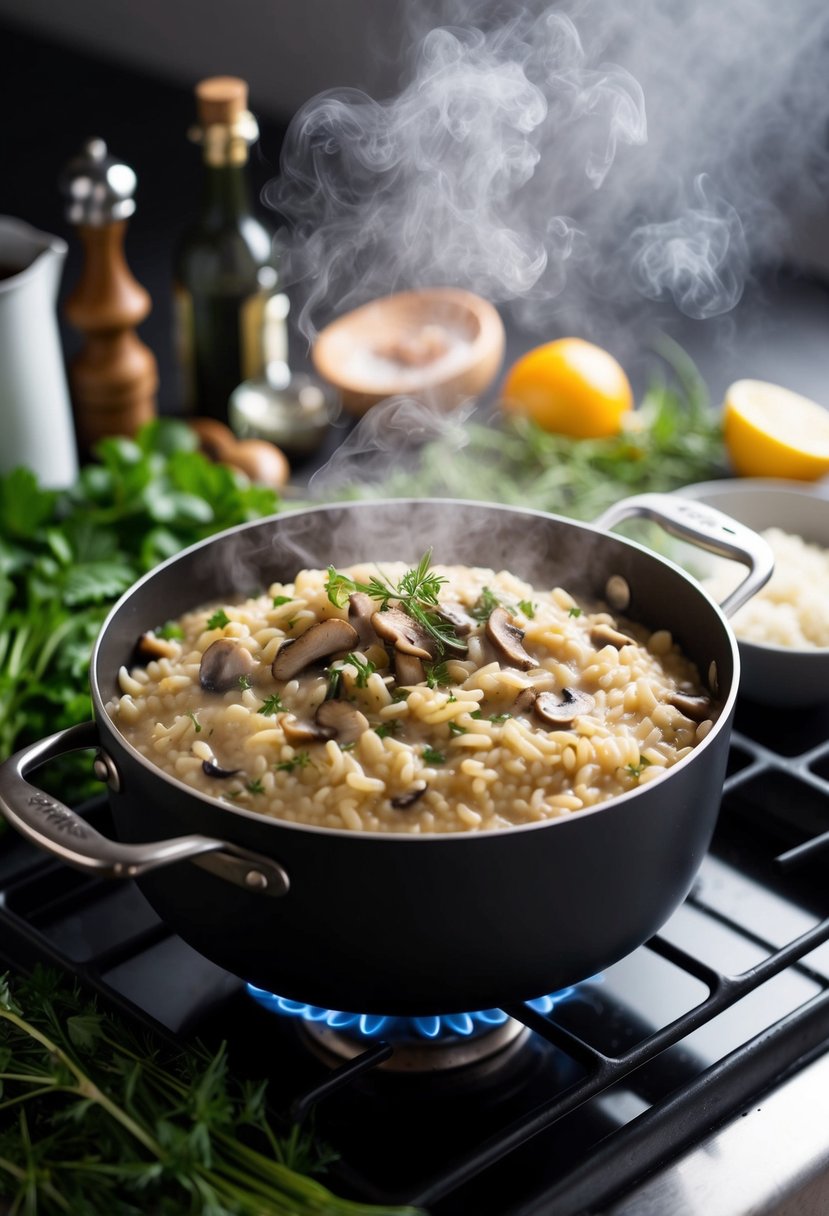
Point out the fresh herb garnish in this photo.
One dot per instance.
(279, 600)
(271, 705)
(635, 770)
(401, 694)
(244, 682)
(300, 760)
(170, 632)
(431, 756)
(496, 718)
(485, 605)
(387, 728)
(101, 1118)
(574, 612)
(437, 674)
(527, 607)
(364, 667)
(218, 620)
(455, 728)
(255, 786)
(195, 721)
(335, 675)
(416, 593)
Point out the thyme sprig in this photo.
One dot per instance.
(416, 593)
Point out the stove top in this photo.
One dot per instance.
(563, 1105)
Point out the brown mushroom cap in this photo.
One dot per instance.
(223, 664)
(561, 711)
(361, 608)
(457, 616)
(299, 730)
(407, 636)
(408, 669)
(606, 635)
(697, 708)
(321, 640)
(342, 720)
(507, 640)
(149, 647)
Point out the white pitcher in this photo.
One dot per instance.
(34, 397)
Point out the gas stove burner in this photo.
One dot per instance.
(421, 1044)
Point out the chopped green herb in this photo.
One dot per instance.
(364, 667)
(574, 612)
(401, 694)
(527, 607)
(431, 756)
(455, 728)
(635, 770)
(255, 786)
(244, 682)
(170, 631)
(486, 604)
(218, 620)
(335, 675)
(195, 721)
(348, 747)
(496, 718)
(437, 674)
(279, 600)
(271, 705)
(300, 760)
(387, 728)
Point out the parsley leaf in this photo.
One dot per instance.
(271, 705)
(432, 756)
(218, 620)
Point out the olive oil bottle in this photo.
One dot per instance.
(230, 313)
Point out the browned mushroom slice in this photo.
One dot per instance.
(342, 719)
(606, 635)
(361, 608)
(224, 664)
(322, 639)
(149, 647)
(407, 636)
(211, 769)
(298, 730)
(561, 711)
(507, 640)
(697, 708)
(402, 802)
(408, 669)
(525, 700)
(457, 616)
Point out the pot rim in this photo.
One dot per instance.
(105, 721)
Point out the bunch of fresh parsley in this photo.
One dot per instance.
(66, 556)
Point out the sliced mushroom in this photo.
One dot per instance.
(697, 708)
(149, 647)
(211, 769)
(300, 730)
(223, 665)
(322, 639)
(408, 669)
(361, 608)
(561, 711)
(406, 635)
(342, 719)
(507, 639)
(457, 616)
(606, 635)
(402, 802)
(525, 700)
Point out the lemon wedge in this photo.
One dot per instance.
(772, 432)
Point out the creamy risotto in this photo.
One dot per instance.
(443, 699)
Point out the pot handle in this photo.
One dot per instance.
(48, 824)
(707, 528)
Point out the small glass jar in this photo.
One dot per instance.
(290, 409)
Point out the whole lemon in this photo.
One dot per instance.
(772, 432)
(569, 386)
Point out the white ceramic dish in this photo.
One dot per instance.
(774, 675)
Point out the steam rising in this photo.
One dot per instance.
(565, 161)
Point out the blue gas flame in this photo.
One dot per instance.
(377, 1025)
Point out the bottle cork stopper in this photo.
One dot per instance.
(221, 99)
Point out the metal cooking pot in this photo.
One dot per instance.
(404, 924)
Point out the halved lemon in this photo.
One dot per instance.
(772, 432)
(571, 387)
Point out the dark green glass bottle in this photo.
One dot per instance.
(230, 314)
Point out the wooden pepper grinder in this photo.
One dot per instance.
(114, 377)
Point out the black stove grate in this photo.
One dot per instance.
(729, 999)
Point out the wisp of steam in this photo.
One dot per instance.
(564, 161)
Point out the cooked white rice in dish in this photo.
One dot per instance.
(791, 609)
(496, 704)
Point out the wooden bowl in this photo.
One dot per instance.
(439, 345)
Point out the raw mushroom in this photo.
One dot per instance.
(507, 639)
(342, 720)
(697, 708)
(407, 636)
(403, 801)
(223, 665)
(322, 639)
(606, 635)
(408, 669)
(361, 609)
(297, 731)
(211, 769)
(562, 711)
